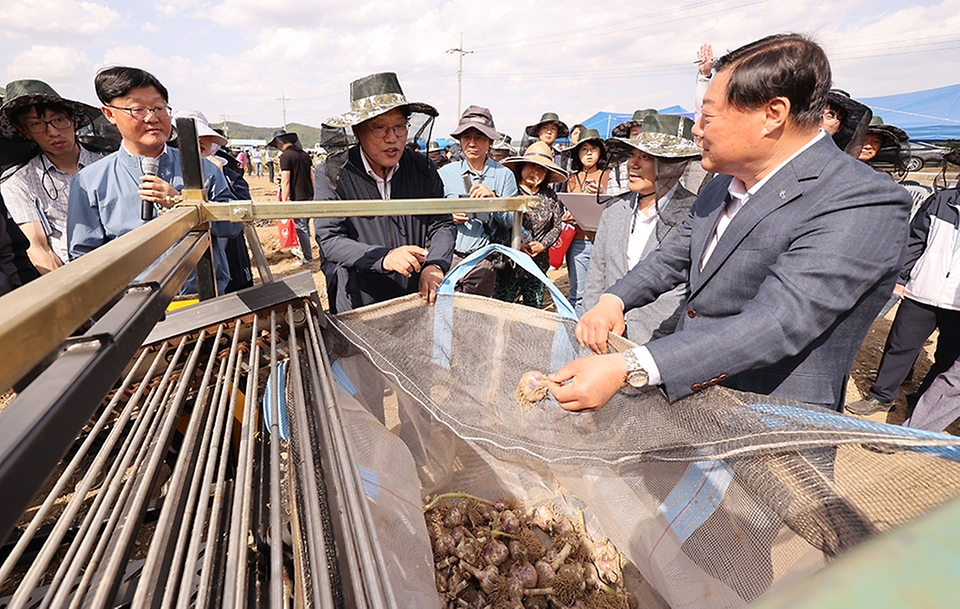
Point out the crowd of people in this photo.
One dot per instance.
(760, 267)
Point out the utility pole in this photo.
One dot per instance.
(223, 120)
(283, 99)
(460, 72)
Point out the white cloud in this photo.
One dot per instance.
(239, 56)
(66, 69)
(48, 62)
(134, 55)
(172, 8)
(62, 17)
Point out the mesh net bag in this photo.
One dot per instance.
(716, 499)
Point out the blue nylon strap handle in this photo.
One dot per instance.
(563, 351)
(280, 377)
(696, 496)
(564, 308)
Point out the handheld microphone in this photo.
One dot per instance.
(149, 166)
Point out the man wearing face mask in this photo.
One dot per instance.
(635, 223)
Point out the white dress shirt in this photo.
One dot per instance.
(383, 185)
(642, 225)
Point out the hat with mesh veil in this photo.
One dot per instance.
(623, 129)
(374, 95)
(667, 136)
(23, 93)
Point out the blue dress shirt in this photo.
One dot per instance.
(475, 232)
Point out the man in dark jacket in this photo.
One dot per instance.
(15, 266)
(371, 259)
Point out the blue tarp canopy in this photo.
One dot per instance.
(930, 116)
(604, 122)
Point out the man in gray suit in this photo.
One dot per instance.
(789, 254)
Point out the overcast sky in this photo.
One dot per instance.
(238, 58)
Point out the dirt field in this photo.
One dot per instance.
(283, 262)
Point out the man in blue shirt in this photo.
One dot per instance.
(105, 196)
(474, 177)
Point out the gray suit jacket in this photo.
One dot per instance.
(788, 295)
(609, 262)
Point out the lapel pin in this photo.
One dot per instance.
(783, 195)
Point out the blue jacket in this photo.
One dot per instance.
(104, 204)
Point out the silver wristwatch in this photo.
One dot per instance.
(636, 376)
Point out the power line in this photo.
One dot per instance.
(610, 27)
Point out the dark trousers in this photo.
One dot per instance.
(481, 280)
(914, 323)
(939, 406)
(516, 285)
(303, 236)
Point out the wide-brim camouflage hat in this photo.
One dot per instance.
(891, 135)
(23, 93)
(668, 136)
(374, 95)
(540, 154)
(548, 117)
(623, 129)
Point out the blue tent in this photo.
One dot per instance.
(931, 116)
(604, 122)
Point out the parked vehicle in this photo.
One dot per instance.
(914, 156)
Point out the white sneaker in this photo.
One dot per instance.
(297, 252)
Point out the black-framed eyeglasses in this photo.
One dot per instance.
(141, 114)
(380, 131)
(39, 126)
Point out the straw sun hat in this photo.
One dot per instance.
(540, 154)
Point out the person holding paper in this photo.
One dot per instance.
(588, 162)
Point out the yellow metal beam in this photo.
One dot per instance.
(247, 211)
(35, 319)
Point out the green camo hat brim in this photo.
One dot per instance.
(369, 107)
